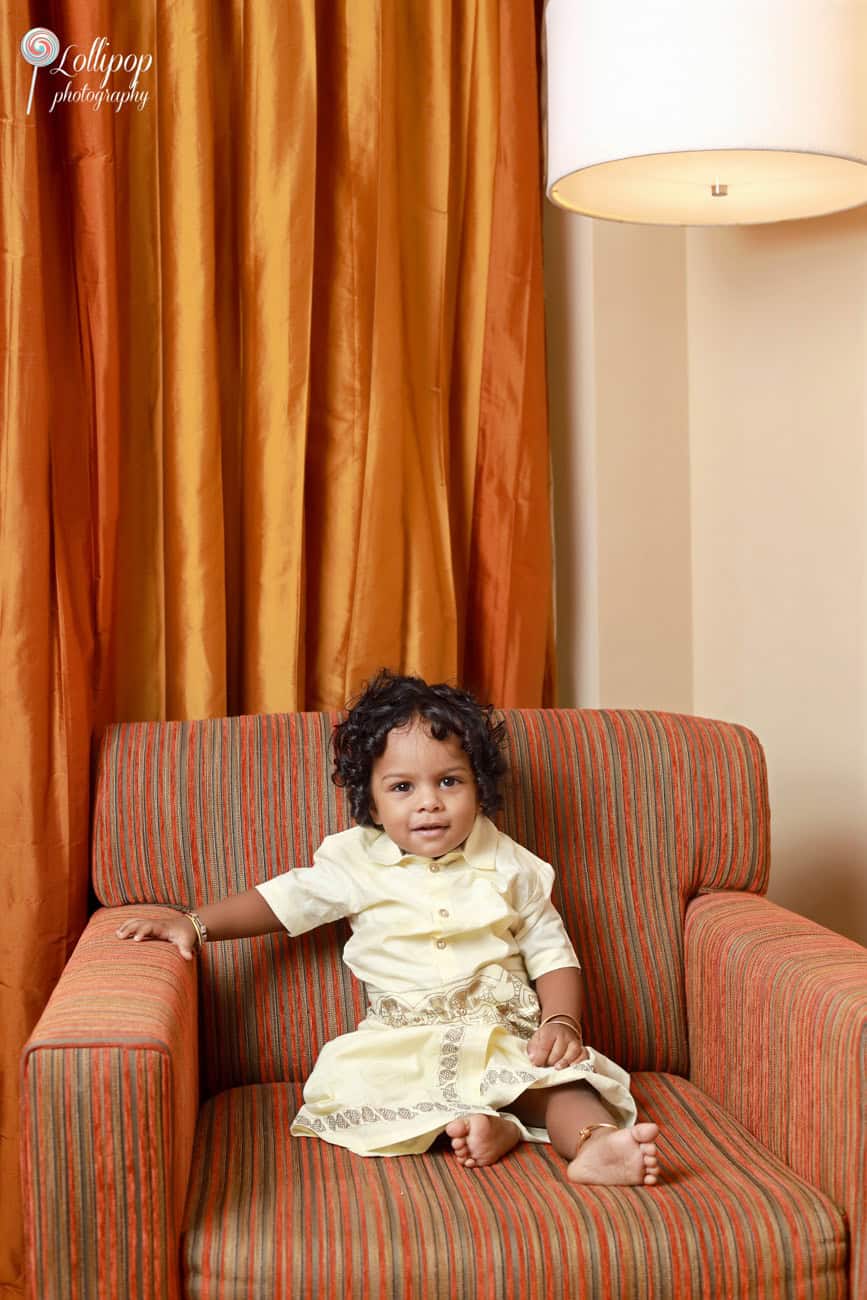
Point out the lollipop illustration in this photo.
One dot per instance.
(40, 47)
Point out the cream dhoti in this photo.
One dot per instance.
(391, 1087)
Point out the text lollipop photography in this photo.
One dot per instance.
(95, 76)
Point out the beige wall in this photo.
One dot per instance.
(709, 416)
(621, 462)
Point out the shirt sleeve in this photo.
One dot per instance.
(541, 935)
(310, 896)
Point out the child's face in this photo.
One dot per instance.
(423, 792)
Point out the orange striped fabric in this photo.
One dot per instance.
(186, 812)
(637, 811)
(109, 1088)
(272, 1216)
(788, 1001)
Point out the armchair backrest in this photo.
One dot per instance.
(637, 811)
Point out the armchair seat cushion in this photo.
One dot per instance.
(270, 1215)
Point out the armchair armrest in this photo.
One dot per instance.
(109, 1099)
(777, 1013)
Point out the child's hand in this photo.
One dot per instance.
(557, 1045)
(174, 928)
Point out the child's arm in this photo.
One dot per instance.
(559, 1044)
(237, 917)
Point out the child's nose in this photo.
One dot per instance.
(430, 797)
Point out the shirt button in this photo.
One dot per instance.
(441, 943)
(433, 867)
(444, 911)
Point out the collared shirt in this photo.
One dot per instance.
(422, 922)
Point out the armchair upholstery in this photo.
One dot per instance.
(151, 1169)
(112, 1098)
(785, 999)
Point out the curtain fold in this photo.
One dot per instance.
(272, 398)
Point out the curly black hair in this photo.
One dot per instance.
(390, 701)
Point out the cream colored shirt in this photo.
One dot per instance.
(422, 923)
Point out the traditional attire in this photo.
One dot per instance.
(447, 948)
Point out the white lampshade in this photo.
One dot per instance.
(706, 112)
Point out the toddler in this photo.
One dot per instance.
(474, 990)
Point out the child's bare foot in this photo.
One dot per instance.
(626, 1157)
(482, 1139)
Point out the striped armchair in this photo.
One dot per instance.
(157, 1094)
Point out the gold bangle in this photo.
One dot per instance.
(563, 1017)
(200, 928)
(555, 1020)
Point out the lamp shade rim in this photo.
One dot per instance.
(709, 225)
(733, 148)
(609, 189)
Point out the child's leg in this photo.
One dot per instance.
(618, 1156)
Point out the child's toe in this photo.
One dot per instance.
(651, 1169)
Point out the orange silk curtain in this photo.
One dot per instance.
(272, 397)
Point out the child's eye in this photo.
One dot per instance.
(400, 787)
(451, 780)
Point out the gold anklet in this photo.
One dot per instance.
(588, 1131)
